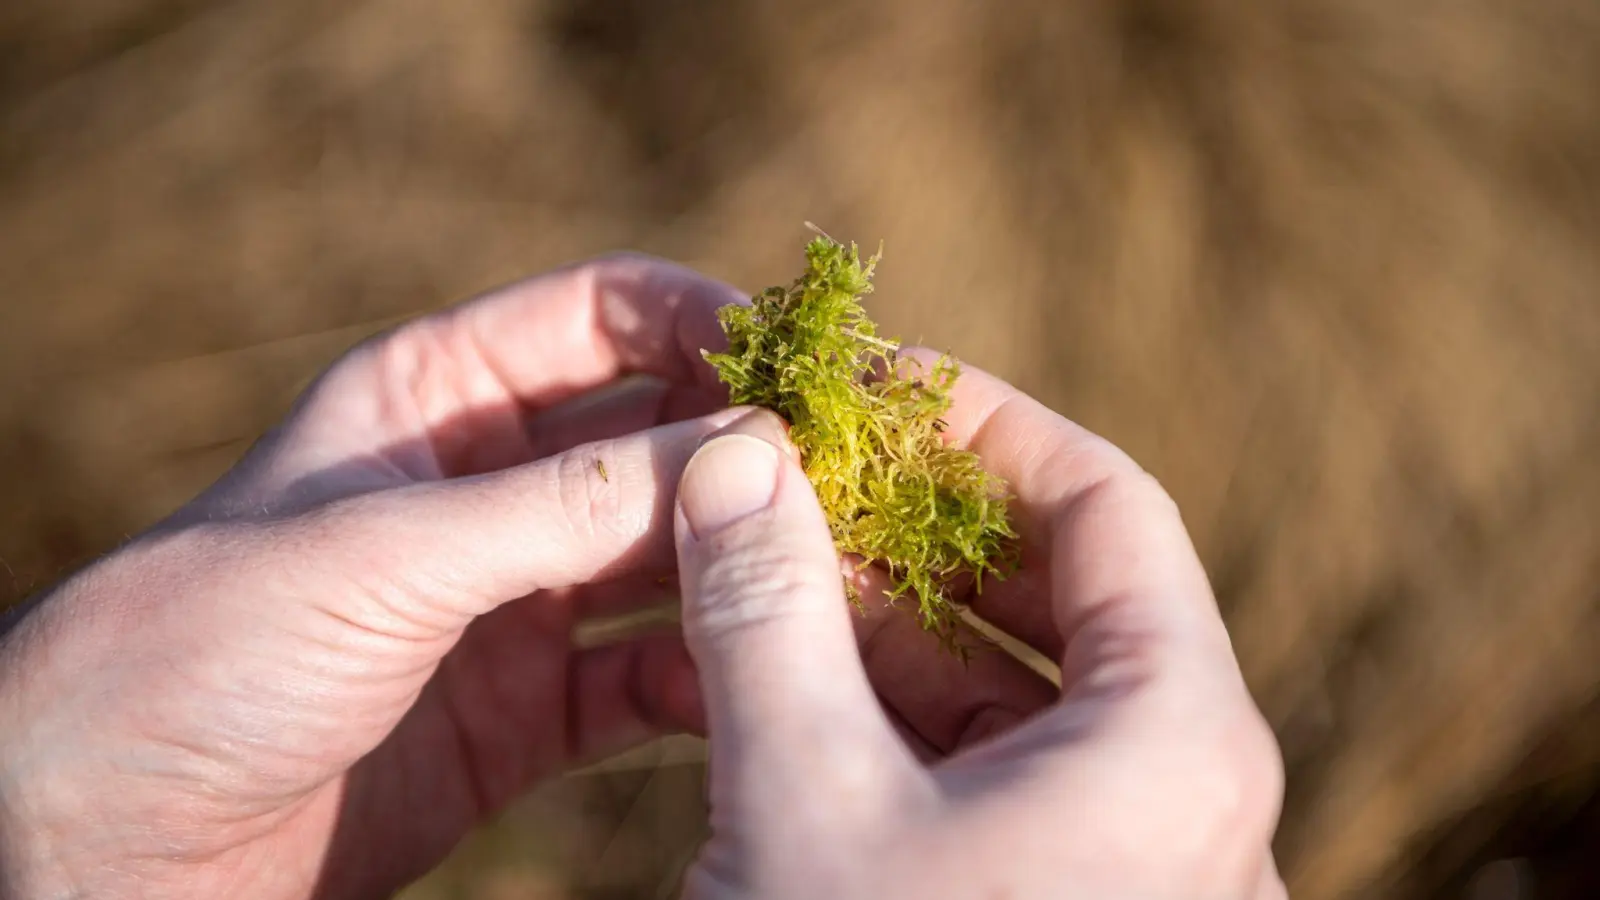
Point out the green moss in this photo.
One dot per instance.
(867, 425)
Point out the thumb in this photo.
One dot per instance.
(766, 621)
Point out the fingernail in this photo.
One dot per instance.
(761, 423)
(733, 475)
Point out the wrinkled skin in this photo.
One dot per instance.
(1151, 775)
(318, 676)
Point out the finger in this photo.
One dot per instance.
(919, 746)
(1019, 604)
(451, 551)
(1045, 459)
(451, 393)
(631, 593)
(621, 695)
(1151, 682)
(599, 319)
(949, 702)
(532, 345)
(945, 703)
(623, 407)
(788, 704)
(489, 440)
(548, 339)
(506, 682)
(1113, 535)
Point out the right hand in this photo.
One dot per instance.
(1149, 774)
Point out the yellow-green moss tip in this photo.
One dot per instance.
(868, 431)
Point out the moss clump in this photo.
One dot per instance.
(868, 431)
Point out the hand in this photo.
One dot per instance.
(327, 668)
(1152, 775)
(316, 677)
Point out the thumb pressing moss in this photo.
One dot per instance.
(868, 432)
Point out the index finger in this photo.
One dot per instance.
(1154, 707)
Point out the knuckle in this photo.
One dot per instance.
(600, 274)
(758, 586)
(1237, 813)
(589, 495)
(1132, 485)
(1215, 765)
(1242, 756)
(1100, 477)
(1258, 773)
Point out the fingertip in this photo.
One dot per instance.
(758, 422)
(699, 328)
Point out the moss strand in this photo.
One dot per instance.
(869, 432)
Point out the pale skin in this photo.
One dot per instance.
(315, 678)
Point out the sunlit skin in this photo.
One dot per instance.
(319, 675)
(1151, 775)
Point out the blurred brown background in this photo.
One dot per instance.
(1330, 268)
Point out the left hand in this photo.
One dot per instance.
(285, 686)
(319, 675)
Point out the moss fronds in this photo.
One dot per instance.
(867, 425)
